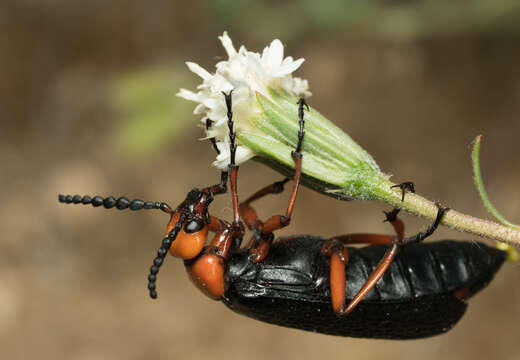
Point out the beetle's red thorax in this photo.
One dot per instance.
(207, 273)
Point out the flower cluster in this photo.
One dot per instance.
(247, 74)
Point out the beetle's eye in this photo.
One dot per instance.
(194, 226)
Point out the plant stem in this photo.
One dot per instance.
(425, 208)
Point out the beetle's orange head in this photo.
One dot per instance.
(186, 232)
(191, 237)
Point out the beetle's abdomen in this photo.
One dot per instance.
(414, 299)
(424, 269)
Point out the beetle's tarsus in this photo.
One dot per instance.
(405, 186)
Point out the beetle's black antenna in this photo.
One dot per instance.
(161, 253)
(110, 202)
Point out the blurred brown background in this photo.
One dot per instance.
(87, 106)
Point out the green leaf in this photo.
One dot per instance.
(475, 155)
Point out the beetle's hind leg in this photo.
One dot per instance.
(337, 273)
(338, 254)
(389, 256)
(405, 186)
(391, 216)
(376, 239)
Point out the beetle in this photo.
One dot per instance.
(396, 287)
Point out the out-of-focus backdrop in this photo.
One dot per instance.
(87, 106)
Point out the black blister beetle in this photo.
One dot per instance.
(394, 288)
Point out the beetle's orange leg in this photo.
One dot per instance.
(387, 259)
(259, 246)
(334, 248)
(216, 225)
(221, 243)
(277, 222)
(376, 239)
(338, 281)
(372, 279)
(263, 232)
(223, 240)
(233, 167)
(391, 253)
(368, 239)
(261, 241)
(397, 224)
(248, 213)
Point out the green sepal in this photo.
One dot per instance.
(359, 182)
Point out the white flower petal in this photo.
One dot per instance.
(243, 154)
(197, 69)
(227, 44)
(188, 95)
(222, 161)
(289, 67)
(273, 54)
(200, 109)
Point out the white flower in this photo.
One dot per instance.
(246, 73)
